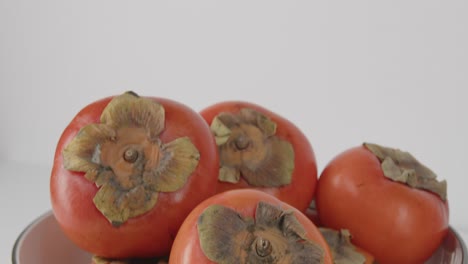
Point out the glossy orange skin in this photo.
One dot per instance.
(152, 233)
(393, 222)
(301, 190)
(186, 248)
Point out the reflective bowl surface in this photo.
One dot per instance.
(43, 242)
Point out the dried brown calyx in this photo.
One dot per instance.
(275, 236)
(402, 167)
(124, 156)
(343, 251)
(249, 148)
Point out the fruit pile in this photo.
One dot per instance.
(149, 180)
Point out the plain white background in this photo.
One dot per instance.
(388, 72)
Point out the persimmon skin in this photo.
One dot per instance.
(186, 248)
(300, 192)
(392, 221)
(147, 235)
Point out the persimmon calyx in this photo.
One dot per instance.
(125, 158)
(343, 251)
(249, 148)
(402, 167)
(274, 236)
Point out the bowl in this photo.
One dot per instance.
(43, 242)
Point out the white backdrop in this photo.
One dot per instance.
(393, 73)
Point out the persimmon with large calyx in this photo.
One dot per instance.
(248, 226)
(127, 171)
(262, 150)
(394, 206)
